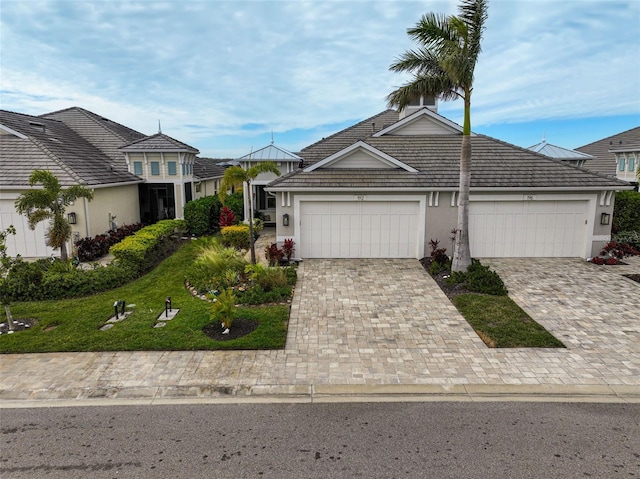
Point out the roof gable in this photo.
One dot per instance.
(271, 153)
(159, 142)
(360, 155)
(557, 152)
(422, 122)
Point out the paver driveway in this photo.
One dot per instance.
(372, 322)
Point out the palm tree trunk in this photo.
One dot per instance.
(461, 250)
(63, 251)
(251, 244)
(7, 311)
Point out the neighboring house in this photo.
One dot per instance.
(571, 157)
(264, 203)
(617, 155)
(386, 186)
(134, 177)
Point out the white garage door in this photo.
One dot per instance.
(527, 228)
(359, 229)
(26, 243)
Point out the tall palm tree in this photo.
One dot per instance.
(443, 66)
(234, 175)
(49, 203)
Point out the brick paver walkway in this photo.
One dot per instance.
(365, 323)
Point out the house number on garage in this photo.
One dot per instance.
(359, 197)
(529, 197)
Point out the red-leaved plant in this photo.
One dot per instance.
(288, 248)
(227, 217)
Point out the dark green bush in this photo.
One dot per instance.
(235, 203)
(202, 215)
(257, 295)
(626, 212)
(479, 279)
(291, 273)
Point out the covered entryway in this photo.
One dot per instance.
(527, 228)
(359, 229)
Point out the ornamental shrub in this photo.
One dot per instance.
(90, 249)
(227, 217)
(235, 202)
(144, 249)
(236, 236)
(626, 212)
(202, 215)
(479, 279)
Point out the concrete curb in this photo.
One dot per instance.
(318, 393)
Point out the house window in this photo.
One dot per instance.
(197, 187)
(172, 168)
(137, 168)
(621, 163)
(155, 168)
(632, 163)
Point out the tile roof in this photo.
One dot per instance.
(104, 134)
(605, 160)
(496, 164)
(338, 141)
(205, 168)
(158, 142)
(51, 144)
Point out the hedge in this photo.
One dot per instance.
(143, 249)
(626, 212)
(236, 236)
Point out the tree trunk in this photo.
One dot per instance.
(7, 311)
(63, 251)
(461, 250)
(251, 244)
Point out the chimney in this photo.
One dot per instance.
(373, 127)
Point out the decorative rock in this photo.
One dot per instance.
(106, 327)
(159, 325)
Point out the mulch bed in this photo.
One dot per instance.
(450, 290)
(20, 325)
(239, 328)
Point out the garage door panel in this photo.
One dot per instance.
(527, 229)
(355, 229)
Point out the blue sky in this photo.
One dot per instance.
(221, 76)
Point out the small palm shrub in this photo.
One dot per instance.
(479, 279)
(223, 309)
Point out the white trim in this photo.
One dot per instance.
(434, 198)
(414, 116)
(11, 131)
(355, 146)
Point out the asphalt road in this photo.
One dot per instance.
(368, 440)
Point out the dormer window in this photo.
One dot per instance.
(621, 163)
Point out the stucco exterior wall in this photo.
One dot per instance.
(93, 218)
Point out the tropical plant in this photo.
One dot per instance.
(224, 308)
(227, 217)
(443, 66)
(49, 203)
(235, 175)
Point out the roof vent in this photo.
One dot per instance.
(37, 126)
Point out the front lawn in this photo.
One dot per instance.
(501, 323)
(74, 324)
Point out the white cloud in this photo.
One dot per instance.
(301, 65)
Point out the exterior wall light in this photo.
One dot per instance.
(604, 218)
(285, 219)
(71, 218)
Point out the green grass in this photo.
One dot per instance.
(501, 323)
(77, 321)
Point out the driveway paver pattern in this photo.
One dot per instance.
(379, 322)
